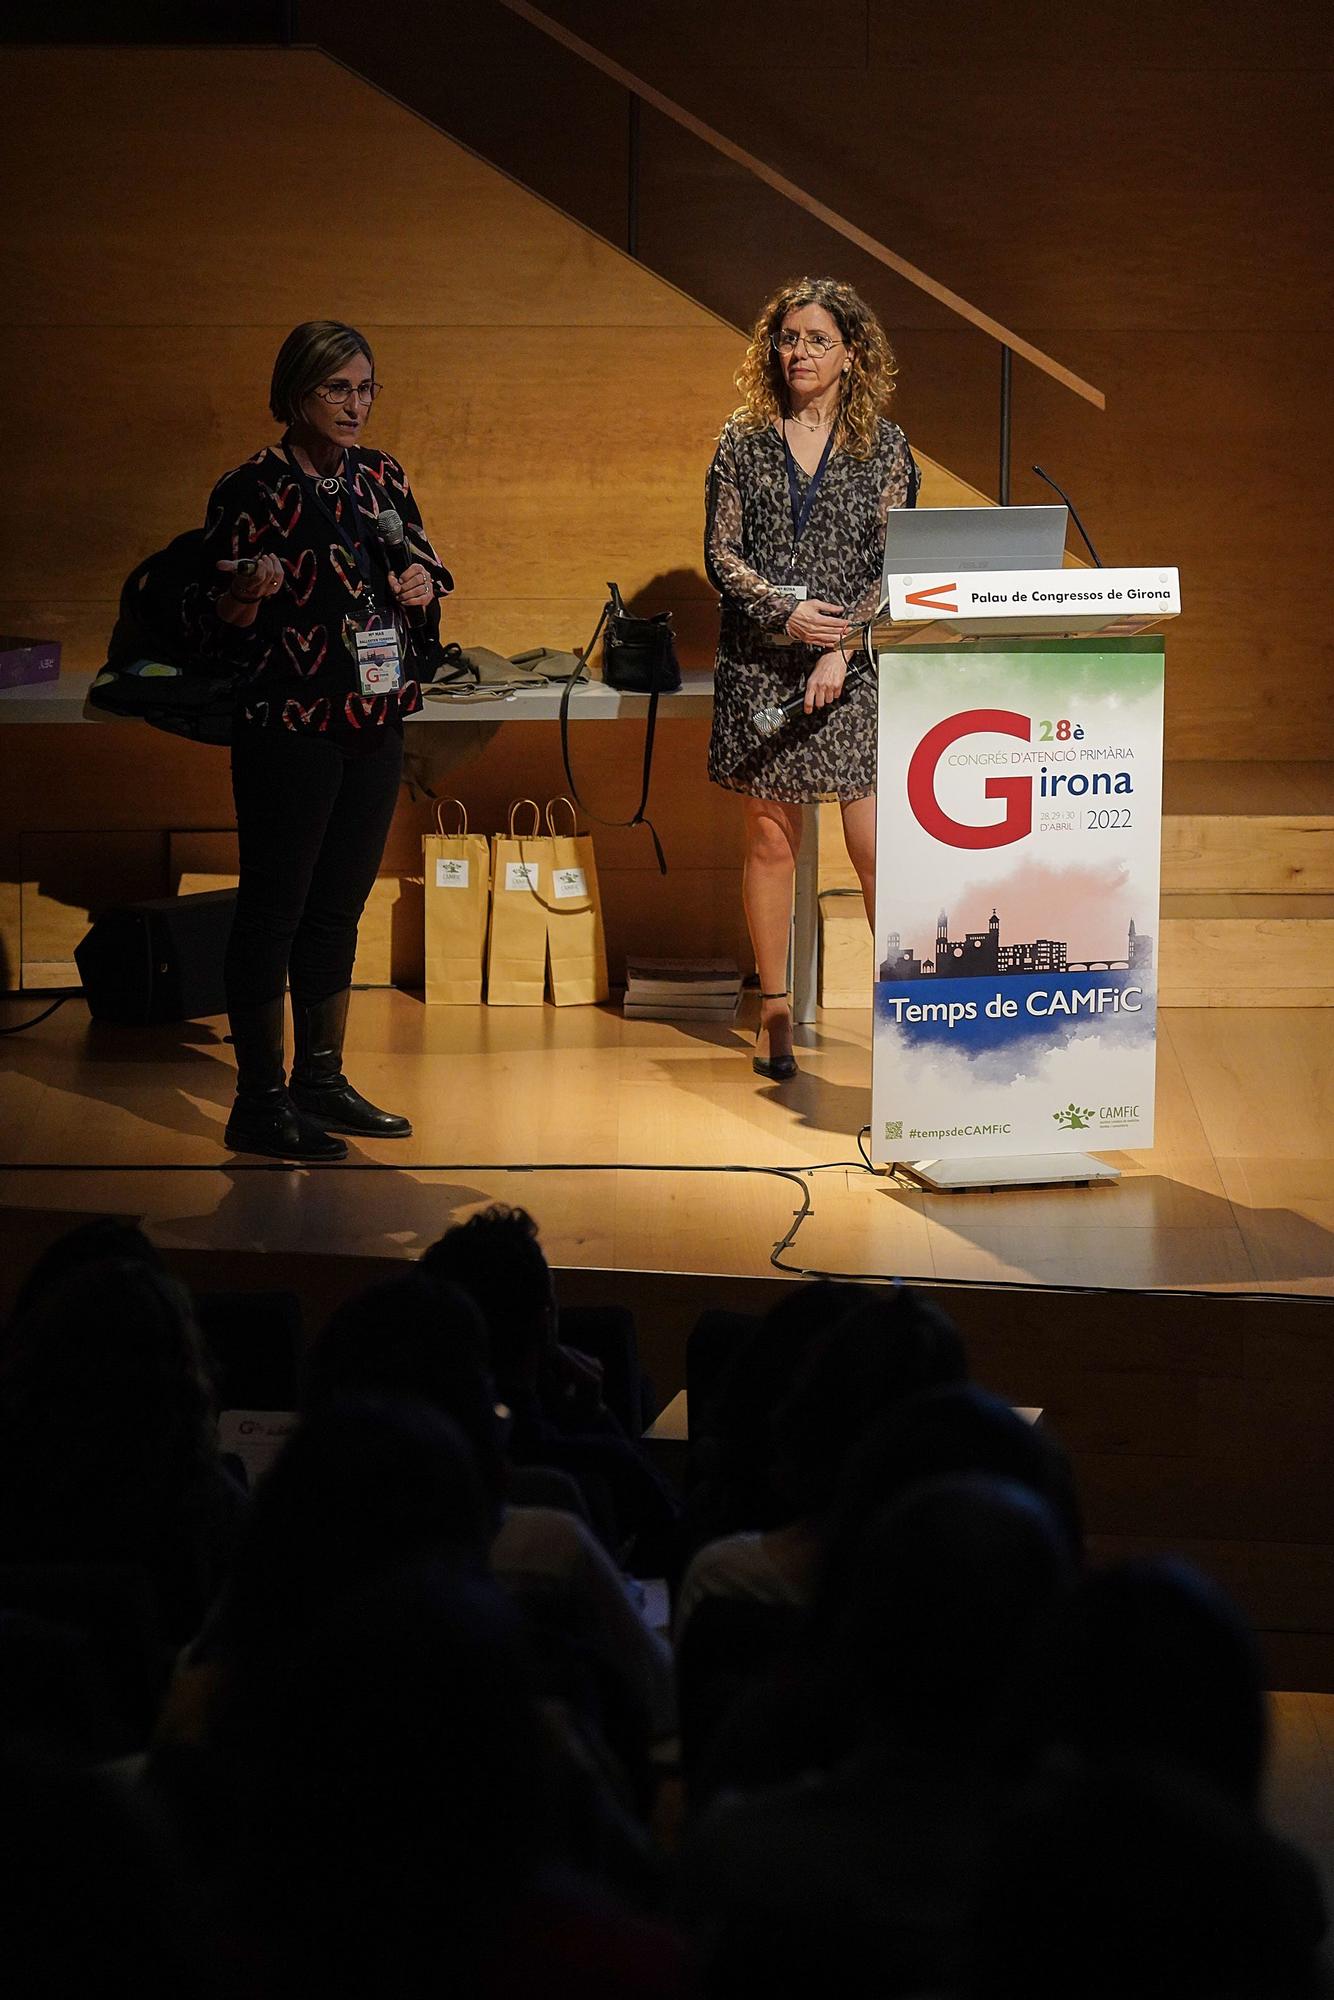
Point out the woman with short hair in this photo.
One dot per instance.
(331, 610)
(805, 473)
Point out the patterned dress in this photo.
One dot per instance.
(300, 674)
(748, 548)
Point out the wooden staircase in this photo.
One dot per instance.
(1247, 916)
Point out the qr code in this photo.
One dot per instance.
(894, 1128)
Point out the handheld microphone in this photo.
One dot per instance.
(389, 527)
(768, 721)
(1097, 559)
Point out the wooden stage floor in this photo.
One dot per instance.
(1237, 1195)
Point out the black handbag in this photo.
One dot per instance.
(638, 654)
(638, 657)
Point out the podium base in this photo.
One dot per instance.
(1024, 1170)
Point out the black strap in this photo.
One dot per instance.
(638, 817)
(803, 503)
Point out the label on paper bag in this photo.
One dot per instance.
(451, 874)
(570, 882)
(521, 875)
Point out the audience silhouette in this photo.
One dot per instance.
(404, 1716)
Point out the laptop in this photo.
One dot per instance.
(922, 541)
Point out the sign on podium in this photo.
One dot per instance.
(1019, 808)
(1041, 602)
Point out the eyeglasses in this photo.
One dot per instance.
(340, 391)
(817, 344)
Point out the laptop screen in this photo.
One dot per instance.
(925, 540)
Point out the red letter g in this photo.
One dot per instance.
(1017, 792)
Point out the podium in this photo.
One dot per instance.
(1018, 831)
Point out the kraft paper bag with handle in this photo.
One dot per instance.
(576, 944)
(516, 960)
(457, 868)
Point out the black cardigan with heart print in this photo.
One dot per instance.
(299, 671)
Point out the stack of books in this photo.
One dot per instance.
(681, 989)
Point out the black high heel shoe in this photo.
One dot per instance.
(777, 1069)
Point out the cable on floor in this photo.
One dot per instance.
(33, 1020)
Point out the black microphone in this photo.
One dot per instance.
(389, 527)
(768, 721)
(1097, 559)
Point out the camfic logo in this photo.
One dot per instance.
(1016, 792)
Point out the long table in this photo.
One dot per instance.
(62, 701)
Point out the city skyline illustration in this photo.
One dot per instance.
(981, 955)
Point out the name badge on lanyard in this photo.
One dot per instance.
(373, 641)
(375, 649)
(802, 503)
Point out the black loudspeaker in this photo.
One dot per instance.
(159, 961)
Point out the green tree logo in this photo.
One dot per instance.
(1073, 1118)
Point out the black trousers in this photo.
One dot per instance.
(312, 820)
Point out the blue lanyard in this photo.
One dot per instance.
(802, 503)
(328, 506)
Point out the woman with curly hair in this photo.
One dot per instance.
(804, 476)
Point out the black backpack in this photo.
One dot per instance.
(153, 668)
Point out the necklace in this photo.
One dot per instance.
(822, 425)
(328, 482)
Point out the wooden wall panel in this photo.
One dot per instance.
(556, 406)
(699, 824)
(139, 782)
(195, 854)
(1058, 196)
(11, 899)
(117, 774)
(390, 938)
(185, 187)
(1135, 191)
(1055, 168)
(741, 37)
(532, 372)
(528, 484)
(122, 783)
(66, 879)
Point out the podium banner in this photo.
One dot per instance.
(1018, 825)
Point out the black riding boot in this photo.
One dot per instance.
(319, 1087)
(264, 1118)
